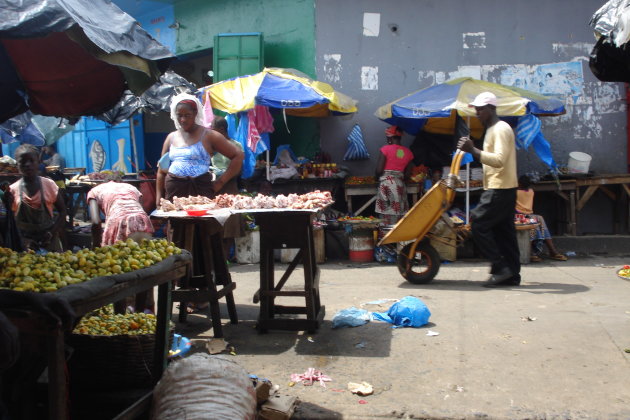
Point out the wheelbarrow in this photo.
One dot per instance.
(418, 261)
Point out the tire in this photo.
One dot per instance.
(423, 268)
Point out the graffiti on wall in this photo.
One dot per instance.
(474, 40)
(586, 102)
(332, 69)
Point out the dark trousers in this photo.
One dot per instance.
(493, 229)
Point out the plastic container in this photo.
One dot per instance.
(197, 212)
(578, 163)
(361, 247)
(248, 248)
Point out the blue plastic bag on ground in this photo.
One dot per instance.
(351, 317)
(407, 312)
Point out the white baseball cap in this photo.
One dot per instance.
(483, 99)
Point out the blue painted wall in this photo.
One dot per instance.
(75, 146)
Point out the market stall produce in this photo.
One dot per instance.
(286, 222)
(314, 200)
(28, 271)
(87, 296)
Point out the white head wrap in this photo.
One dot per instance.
(183, 97)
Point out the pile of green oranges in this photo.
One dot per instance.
(32, 272)
(105, 322)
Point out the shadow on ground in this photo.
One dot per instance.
(309, 411)
(370, 340)
(477, 286)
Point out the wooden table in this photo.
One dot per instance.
(575, 193)
(351, 190)
(203, 238)
(587, 186)
(566, 190)
(279, 230)
(162, 274)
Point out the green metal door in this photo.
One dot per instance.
(237, 55)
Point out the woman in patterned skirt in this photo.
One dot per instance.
(392, 168)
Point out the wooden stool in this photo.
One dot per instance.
(279, 230)
(203, 237)
(524, 241)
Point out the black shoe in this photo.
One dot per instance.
(500, 276)
(512, 281)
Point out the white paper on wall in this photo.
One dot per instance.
(371, 24)
(369, 78)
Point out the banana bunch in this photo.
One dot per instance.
(28, 271)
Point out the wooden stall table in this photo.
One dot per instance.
(202, 236)
(91, 295)
(587, 186)
(566, 189)
(352, 190)
(279, 230)
(76, 198)
(576, 192)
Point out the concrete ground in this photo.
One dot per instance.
(553, 348)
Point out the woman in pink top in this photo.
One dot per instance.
(393, 166)
(35, 199)
(124, 215)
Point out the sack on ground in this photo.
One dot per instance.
(203, 386)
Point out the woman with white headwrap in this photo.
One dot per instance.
(189, 150)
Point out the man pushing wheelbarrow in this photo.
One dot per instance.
(492, 221)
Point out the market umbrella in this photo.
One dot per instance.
(434, 109)
(69, 58)
(439, 109)
(286, 89)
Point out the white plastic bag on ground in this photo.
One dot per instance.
(203, 387)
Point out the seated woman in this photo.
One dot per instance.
(33, 200)
(525, 205)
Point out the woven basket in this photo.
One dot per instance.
(118, 361)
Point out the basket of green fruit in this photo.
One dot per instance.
(624, 272)
(113, 350)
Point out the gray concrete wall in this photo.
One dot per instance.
(541, 45)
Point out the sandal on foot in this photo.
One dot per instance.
(535, 258)
(558, 257)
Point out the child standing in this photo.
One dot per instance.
(33, 200)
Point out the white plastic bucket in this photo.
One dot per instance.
(578, 163)
(248, 248)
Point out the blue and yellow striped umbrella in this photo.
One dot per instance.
(279, 88)
(434, 109)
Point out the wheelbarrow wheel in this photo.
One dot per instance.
(423, 267)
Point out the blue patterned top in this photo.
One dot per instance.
(190, 161)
